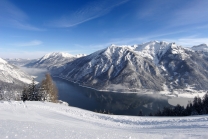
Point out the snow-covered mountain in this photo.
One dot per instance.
(114, 68)
(38, 120)
(52, 60)
(12, 75)
(19, 61)
(154, 65)
(201, 47)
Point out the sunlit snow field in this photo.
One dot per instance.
(47, 120)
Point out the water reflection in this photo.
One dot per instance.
(116, 103)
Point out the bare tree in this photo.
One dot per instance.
(48, 89)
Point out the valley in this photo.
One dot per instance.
(125, 79)
(103, 69)
(120, 103)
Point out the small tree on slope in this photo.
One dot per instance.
(48, 89)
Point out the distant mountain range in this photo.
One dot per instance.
(202, 48)
(19, 61)
(151, 66)
(53, 60)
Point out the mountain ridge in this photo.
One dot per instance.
(53, 60)
(153, 65)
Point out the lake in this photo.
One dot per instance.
(116, 103)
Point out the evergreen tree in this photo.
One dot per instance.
(188, 109)
(150, 114)
(24, 96)
(33, 93)
(205, 103)
(140, 113)
(199, 106)
(167, 111)
(46, 91)
(178, 110)
(1, 94)
(158, 113)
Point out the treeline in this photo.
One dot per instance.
(103, 112)
(197, 107)
(10, 91)
(45, 91)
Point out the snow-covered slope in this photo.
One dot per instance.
(38, 120)
(153, 50)
(12, 74)
(158, 66)
(51, 60)
(80, 55)
(181, 67)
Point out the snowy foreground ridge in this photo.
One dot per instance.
(55, 121)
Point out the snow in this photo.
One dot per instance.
(45, 120)
(54, 60)
(80, 55)
(2, 61)
(107, 58)
(9, 72)
(153, 49)
(56, 54)
(61, 54)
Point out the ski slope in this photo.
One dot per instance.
(43, 120)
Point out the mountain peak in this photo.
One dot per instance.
(157, 42)
(112, 45)
(51, 60)
(153, 49)
(57, 54)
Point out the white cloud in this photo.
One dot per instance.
(14, 17)
(30, 43)
(24, 26)
(89, 12)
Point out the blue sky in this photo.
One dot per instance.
(32, 28)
